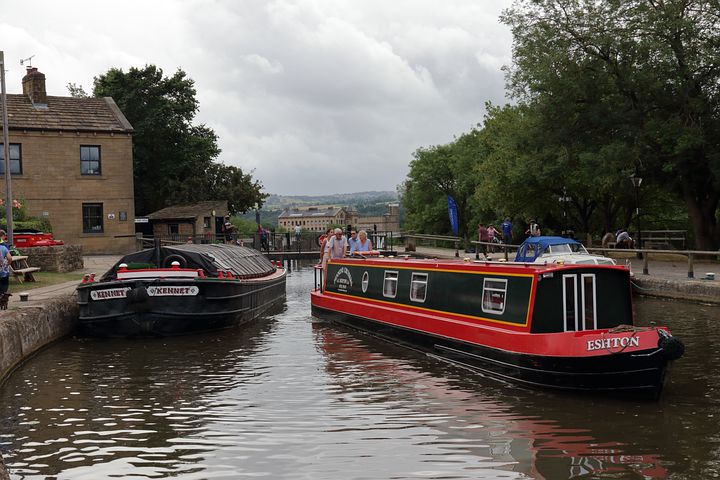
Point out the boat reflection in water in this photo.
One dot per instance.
(146, 409)
(505, 427)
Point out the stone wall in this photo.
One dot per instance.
(26, 330)
(3, 471)
(58, 258)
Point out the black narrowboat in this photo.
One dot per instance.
(180, 289)
(565, 326)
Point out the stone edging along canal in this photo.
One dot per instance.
(703, 291)
(26, 330)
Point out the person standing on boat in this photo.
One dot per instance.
(337, 244)
(353, 241)
(322, 241)
(363, 243)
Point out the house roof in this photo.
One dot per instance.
(190, 212)
(67, 113)
(310, 212)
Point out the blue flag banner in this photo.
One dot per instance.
(452, 211)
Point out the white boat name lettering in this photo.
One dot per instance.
(172, 291)
(109, 293)
(343, 279)
(615, 342)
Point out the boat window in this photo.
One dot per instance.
(365, 281)
(493, 299)
(570, 302)
(588, 302)
(579, 248)
(390, 284)
(530, 251)
(564, 248)
(418, 287)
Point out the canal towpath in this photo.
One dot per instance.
(97, 264)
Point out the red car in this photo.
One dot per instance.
(32, 238)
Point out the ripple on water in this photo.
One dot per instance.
(290, 398)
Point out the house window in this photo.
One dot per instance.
(92, 215)
(390, 284)
(206, 222)
(418, 287)
(173, 228)
(15, 159)
(493, 299)
(90, 160)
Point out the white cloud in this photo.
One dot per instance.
(312, 95)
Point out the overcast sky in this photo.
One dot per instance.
(314, 96)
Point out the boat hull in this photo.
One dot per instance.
(640, 373)
(169, 307)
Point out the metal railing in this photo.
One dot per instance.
(272, 242)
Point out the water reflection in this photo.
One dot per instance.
(141, 405)
(287, 397)
(476, 421)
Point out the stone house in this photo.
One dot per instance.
(71, 163)
(316, 219)
(178, 222)
(387, 222)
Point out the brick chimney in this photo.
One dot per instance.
(34, 87)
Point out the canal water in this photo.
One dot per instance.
(289, 397)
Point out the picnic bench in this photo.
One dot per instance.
(21, 270)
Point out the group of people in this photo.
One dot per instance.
(491, 234)
(334, 244)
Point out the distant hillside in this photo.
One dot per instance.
(366, 203)
(341, 199)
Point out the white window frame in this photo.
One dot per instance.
(414, 280)
(564, 301)
(493, 289)
(594, 294)
(385, 281)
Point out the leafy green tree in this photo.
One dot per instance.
(174, 160)
(624, 85)
(435, 173)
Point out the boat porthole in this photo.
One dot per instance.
(365, 281)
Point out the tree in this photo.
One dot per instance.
(438, 172)
(632, 81)
(174, 160)
(76, 91)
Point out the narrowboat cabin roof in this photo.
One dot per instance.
(467, 264)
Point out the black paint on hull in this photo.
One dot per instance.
(218, 305)
(636, 373)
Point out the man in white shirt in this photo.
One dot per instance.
(337, 244)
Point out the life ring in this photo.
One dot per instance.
(167, 263)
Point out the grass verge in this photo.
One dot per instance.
(43, 279)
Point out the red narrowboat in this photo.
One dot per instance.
(565, 326)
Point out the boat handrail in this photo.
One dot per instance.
(157, 273)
